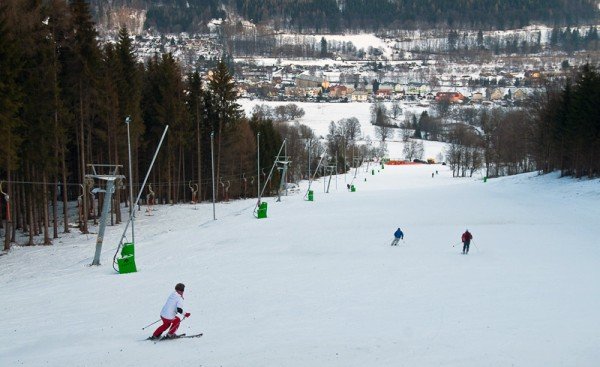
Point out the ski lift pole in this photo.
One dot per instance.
(110, 189)
(258, 169)
(270, 173)
(310, 180)
(131, 206)
(131, 216)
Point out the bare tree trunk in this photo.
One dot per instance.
(7, 228)
(21, 211)
(180, 176)
(65, 197)
(35, 204)
(217, 176)
(170, 179)
(55, 208)
(84, 227)
(45, 211)
(30, 214)
(199, 195)
(111, 146)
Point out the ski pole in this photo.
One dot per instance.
(147, 326)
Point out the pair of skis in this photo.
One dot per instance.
(180, 336)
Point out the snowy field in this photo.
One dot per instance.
(317, 284)
(318, 116)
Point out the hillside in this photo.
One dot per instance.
(316, 283)
(353, 15)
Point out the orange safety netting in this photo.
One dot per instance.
(399, 163)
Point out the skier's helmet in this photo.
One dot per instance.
(180, 287)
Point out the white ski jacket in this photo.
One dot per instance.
(169, 310)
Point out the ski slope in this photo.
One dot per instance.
(317, 284)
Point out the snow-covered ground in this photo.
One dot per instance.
(317, 284)
(318, 116)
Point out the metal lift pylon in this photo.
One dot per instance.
(110, 178)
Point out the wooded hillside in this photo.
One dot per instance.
(361, 15)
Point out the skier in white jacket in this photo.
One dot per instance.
(168, 314)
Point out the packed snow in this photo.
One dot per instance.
(318, 284)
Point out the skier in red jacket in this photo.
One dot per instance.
(466, 240)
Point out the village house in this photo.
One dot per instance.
(383, 94)
(359, 96)
(338, 91)
(519, 95)
(417, 89)
(496, 95)
(477, 97)
(452, 97)
(308, 81)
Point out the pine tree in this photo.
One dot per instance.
(80, 62)
(480, 39)
(129, 83)
(323, 47)
(224, 96)
(197, 113)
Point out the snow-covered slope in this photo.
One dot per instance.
(317, 284)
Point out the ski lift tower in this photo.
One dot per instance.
(110, 177)
(329, 170)
(356, 162)
(282, 163)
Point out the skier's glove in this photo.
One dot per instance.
(187, 314)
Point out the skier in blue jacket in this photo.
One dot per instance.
(398, 235)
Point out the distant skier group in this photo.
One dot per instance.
(174, 305)
(465, 238)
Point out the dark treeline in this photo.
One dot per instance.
(64, 101)
(365, 15)
(569, 128)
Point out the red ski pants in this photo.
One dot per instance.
(173, 323)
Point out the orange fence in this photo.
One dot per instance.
(400, 163)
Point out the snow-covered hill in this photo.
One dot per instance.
(317, 284)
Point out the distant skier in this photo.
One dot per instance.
(168, 314)
(466, 240)
(398, 235)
